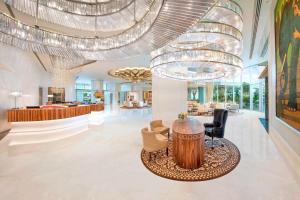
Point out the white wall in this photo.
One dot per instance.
(286, 138)
(19, 71)
(169, 98)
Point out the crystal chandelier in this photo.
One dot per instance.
(90, 8)
(211, 49)
(148, 29)
(113, 15)
(61, 70)
(15, 30)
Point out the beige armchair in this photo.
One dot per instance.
(158, 126)
(154, 142)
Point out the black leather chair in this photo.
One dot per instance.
(217, 128)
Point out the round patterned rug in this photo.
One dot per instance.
(218, 162)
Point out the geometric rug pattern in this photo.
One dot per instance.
(217, 162)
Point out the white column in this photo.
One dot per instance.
(169, 98)
(209, 90)
(117, 93)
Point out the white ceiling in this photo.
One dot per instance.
(248, 7)
(99, 69)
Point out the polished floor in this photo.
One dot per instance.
(104, 163)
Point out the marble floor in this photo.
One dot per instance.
(104, 163)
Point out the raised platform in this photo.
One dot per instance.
(23, 133)
(41, 125)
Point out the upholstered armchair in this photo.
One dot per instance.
(233, 107)
(217, 128)
(140, 104)
(158, 126)
(154, 142)
(128, 104)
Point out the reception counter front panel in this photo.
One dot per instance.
(51, 113)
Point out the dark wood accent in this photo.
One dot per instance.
(10, 11)
(39, 59)
(3, 134)
(84, 64)
(42, 114)
(188, 143)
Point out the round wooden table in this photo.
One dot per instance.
(188, 143)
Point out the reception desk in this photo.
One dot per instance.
(51, 112)
(51, 123)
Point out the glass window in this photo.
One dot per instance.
(229, 93)
(237, 94)
(246, 96)
(215, 93)
(221, 90)
(255, 96)
(83, 92)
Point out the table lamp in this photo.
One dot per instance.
(16, 95)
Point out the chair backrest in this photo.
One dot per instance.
(149, 139)
(150, 142)
(220, 118)
(155, 123)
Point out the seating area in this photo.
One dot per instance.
(134, 104)
(154, 138)
(189, 148)
(197, 109)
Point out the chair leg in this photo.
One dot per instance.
(167, 150)
(212, 142)
(222, 144)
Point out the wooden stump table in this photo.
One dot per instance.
(188, 143)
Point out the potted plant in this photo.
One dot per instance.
(182, 116)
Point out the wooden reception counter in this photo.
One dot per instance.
(51, 112)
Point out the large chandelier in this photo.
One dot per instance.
(133, 74)
(40, 38)
(148, 27)
(211, 49)
(113, 15)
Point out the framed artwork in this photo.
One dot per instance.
(287, 44)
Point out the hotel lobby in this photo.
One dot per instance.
(150, 99)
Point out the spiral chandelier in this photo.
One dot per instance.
(95, 15)
(211, 49)
(35, 37)
(106, 28)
